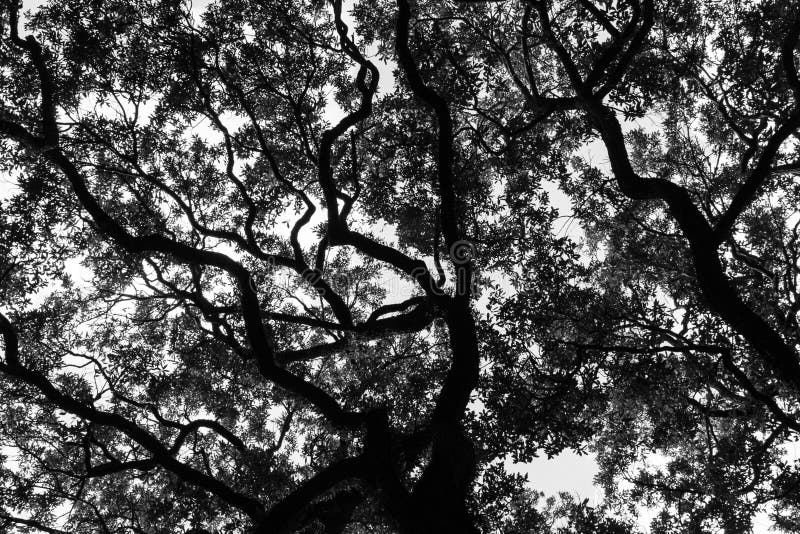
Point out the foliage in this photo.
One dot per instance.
(313, 267)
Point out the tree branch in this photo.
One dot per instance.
(161, 455)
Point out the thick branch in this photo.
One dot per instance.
(160, 453)
(281, 517)
(748, 192)
(720, 295)
(601, 17)
(30, 523)
(444, 122)
(258, 332)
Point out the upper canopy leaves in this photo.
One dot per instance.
(306, 266)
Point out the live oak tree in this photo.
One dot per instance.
(295, 266)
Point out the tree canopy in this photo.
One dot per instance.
(299, 266)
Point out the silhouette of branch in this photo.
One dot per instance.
(160, 454)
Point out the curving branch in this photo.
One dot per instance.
(258, 332)
(703, 240)
(413, 321)
(601, 17)
(765, 399)
(161, 455)
(614, 75)
(445, 155)
(748, 192)
(282, 517)
(30, 523)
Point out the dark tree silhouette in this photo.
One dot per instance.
(295, 267)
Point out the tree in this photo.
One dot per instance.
(210, 214)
